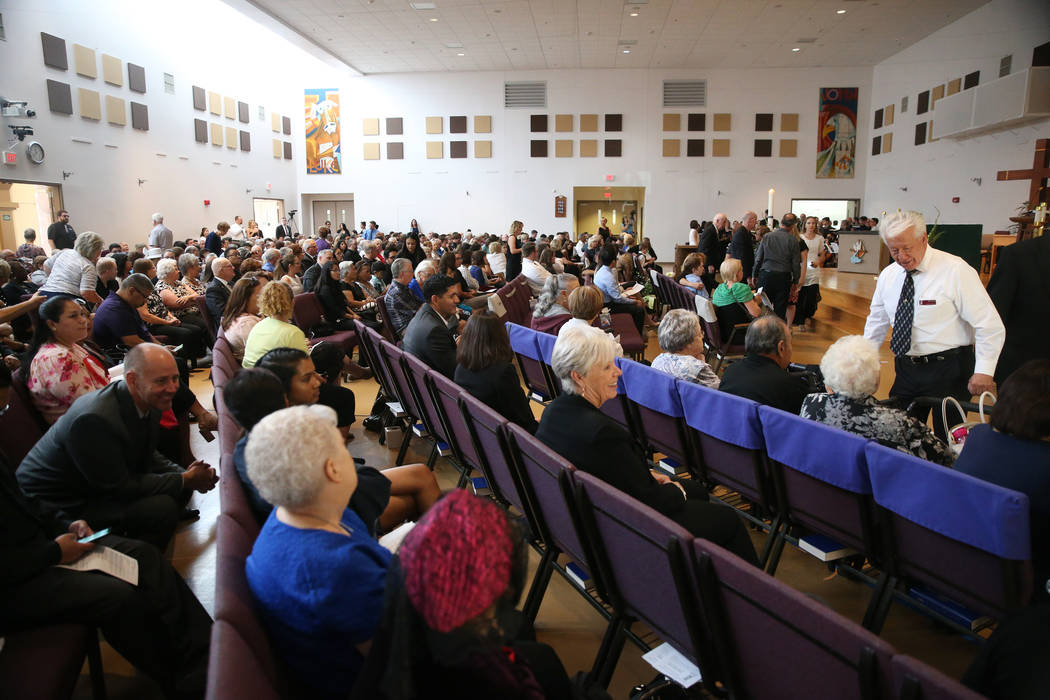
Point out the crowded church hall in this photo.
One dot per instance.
(630, 349)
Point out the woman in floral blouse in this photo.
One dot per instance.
(190, 267)
(851, 374)
(682, 343)
(60, 370)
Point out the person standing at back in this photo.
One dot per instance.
(742, 246)
(161, 236)
(1021, 295)
(712, 249)
(947, 335)
(778, 264)
(60, 233)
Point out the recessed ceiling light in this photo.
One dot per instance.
(627, 51)
(461, 54)
(433, 19)
(422, 5)
(796, 49)
(840, 12)
(634, 14)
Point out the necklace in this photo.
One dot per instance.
(339, 525)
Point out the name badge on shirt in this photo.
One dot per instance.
(927, 302)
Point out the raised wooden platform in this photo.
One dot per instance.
(845, 300)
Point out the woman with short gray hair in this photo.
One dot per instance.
(552, 308)
(574, 426)
(682, 343)
(73, 271)
(190, 269)
(851, 371)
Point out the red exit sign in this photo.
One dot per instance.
(608, 195)
(610, 178)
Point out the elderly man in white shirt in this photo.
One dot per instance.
(947, 334)
(236, 231)
(161, 236)
(535, 274)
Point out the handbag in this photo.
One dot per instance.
(957, 433)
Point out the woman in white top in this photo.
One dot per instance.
(813, 259)
(497, 259)
(292, 267)
(694, 233)
(585, 303)
(73, 271)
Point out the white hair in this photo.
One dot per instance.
(579, 350)
(164, 268)
(851, 367)
(158, 218)
(345, 267)
(286, 452)
(218, 263)
(899, 222)
(424, 267)
(678, 329)
(272, 255)
(88, 244)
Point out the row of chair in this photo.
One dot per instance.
(723, 333)
(924, 526)
(708, 604)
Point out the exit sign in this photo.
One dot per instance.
(10, 157)
(608, 195)
(610, 178)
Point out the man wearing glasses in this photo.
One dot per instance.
(117, 322)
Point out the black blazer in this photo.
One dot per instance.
(594, 443)
(216, 294)
(1020, 290)
(499, 387)
(26, 544)
(428, 338)
(742, 248)
(711, 246)
(760, 379)
(285, 230)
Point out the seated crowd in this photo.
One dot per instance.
(105, 345)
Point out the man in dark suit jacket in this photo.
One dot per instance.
(762, 375)
(712, 248)
(1020, 290)
(314, 271)
(218, 290)
(742, 247)
(283, 230)
(100, 462)
(428, 335)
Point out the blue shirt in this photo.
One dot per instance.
(369, 234)
(416, 289)
(605, 280)
(267, 266)
(319, 594)
(114, 319)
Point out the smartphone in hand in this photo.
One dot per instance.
(91, 538)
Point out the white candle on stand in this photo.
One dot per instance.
(769, 209)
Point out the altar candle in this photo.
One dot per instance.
(769, 208)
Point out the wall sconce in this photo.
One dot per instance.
(903, 189)
(977, 180)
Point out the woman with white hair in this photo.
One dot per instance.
(682, 343)
(73, 270)
(316, 574)
(574, 426)
(851, 374)
(552, 307)
(424, 271)
(497, 259)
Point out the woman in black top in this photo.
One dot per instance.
(484, 368)
(329, 292)
(359, 286)
(514, 251)
(411, 250)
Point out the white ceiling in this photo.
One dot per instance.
(389, 36)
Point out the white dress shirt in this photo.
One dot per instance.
(952, 309)
(535, 274)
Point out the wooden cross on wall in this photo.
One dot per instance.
(1040, 172)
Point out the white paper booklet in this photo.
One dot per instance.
(670, 662)
(108, 561)
(392, 539)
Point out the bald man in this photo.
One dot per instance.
(100, 463)
(714, 240)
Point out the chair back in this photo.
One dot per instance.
(911, 679)
(617, 408)
(729, 316)
(530, 360)
(390, 357)
(445, 396)
(224, 363)
(961, 536)
(658, 408)
(515, 296)
(755, 619)
(21, 426)
(431, 413)
(307, 312)
(487, 431)
(234, 670)
(209, 322)
(387, 328)
(233, 502)
(369, 340)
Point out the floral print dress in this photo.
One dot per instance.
(59, 375)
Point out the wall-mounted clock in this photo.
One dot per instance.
(35, 152)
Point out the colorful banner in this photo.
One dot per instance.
(323, 152)
(837, 132)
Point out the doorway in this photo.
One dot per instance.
(338, 211)
(268, 213)
(27, 205)
(834, 209)
(592, 204)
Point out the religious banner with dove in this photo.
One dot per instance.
(323, 152)
(837, 133)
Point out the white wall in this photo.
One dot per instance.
(512, 185)
(936, 172)
(202, 42)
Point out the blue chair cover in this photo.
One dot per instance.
(621, 388)
(545, 344)
(831, 455)
(651, 388)
(523, 341)
(729, 418)
(956, 505)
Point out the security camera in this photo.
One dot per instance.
(21, 131)
(15, 108)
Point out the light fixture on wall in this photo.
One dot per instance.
(977, 180)
(141, 181)
(66, 174)
(903, 189)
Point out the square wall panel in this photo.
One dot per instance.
(59, 97)
(287, 150)
(395, 126)
(788, 148)
(242, 112)
(139, 116)
(286, 129)
(876, 145)
(694, 148)
(395, 150)
(229, 107)
(954, 86)
(370, 127)
(435, 149)
(697, 122)
(538, 123)
(435, 125)
(888, 118)
(563, 122)
(878, 118)
(371, 151)
(613, 122)
(922, 105)
(136, 78)
(588, 147)
(969, 80)
(200, 131)
(457, 149)
(457, 125)
(887, 142)
(482, 149)
(763, 148)
(278, 148)
(116, 112)
(588, 122)
(54, 51)
(482, 125)
(720, 148)
(613, 148)
(200, 100)
(672, 148)
(789, 122)
(538, 148)
(764, 122)
(230, 133)
(84, 60)
(215, 103)
(275, 122)
(563, 148)
(920, 133)
(246, 140)
(672, 122)
(936, 94)
(112, 70)
(90, 104)
(723, 122)
(216, 138)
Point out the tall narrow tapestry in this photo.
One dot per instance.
(837, 132)
(323, 153)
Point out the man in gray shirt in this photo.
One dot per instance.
(778, 264)
(161, 236)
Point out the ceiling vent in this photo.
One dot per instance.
(422, 5)
(807, 40)
(527, 94)
(169, 83)
(685, 93)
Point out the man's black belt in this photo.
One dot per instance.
(935, 356)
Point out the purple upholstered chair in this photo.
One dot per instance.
(415, 372)
(21, 426)
(368, 339)
(531, 362)
(617, 408)
(45, 662)
(914, 680)
(444, 394)
(822, 483)
(643, 559)
(308, 315)
(390, 357)
(232, 500)
(949, 533)
(224, 363)
(234, 671)
(657, 408)
(774, 642)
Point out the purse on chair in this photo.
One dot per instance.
(957, 433)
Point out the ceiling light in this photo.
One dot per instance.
(422, 5)
(461, 54)
(796, 49)
(840, 12)
(433, 19)
(627, 51)
(634, 14)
